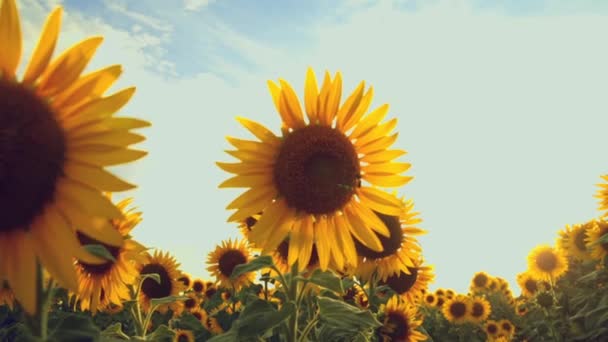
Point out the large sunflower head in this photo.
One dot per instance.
(411, 286)
(598, 230)
(399, 322)
(225, 258)
(166, 267)
(59, 134)
(314, 184)
(572, 239)
(100, 285)
(480, 282)
(547, 263)
(479, 309)
(456, 309)
(400, 249)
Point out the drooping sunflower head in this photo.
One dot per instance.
(547, 263)
(225, 258)
(183, 336)
(166, 267)
(107, 283)
(456, 309)
(410, 286)
(399, 322)
(572, 239)
(599, 230)
(480, 282)
(59, 134)
(528, 285)
(313, 183)
(479, 309)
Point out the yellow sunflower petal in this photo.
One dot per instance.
(322, 100)
(90, 86)
(261, 132)
(21, 273)
(347, 243)
(333, 99)
(370, 121)
(279, 232)
(44, 49)
(88, 199)
(251, 146)
(68, 67)
(361, 232)
(251, 158)
(252, 196)
(243, 213)
(96, 227)
(98, 108)
(322, 242)
(380, 201)
(379, 144)
(361, 110)
(295, 244)
(311, 92)
(382, 156)
(307, 235)
(243, 169)
(386, 168)
(272, 216)
(391, 181)
(10, 38)
(289, 102)
(96, 177)
(105, 158)
(248, 181)
(111, 139)
(377, 132)
(350, 106)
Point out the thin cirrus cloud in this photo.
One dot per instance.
(501, 108)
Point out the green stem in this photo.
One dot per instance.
(283, 281)
(40, 321)
(293, 295)
(147, 320)
(309, 327)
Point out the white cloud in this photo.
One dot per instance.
(196, 5)
(149, 21)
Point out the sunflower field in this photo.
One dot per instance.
(329, 251)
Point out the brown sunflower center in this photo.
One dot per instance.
(101, 268)
(229, 260)
(395, 327)
(198, 286)
(492, 328)
(283, 251)
(480, 280)
(185, 280)
(478, 310)
(458, 309)
(316, 170)
(150, 287)
(402, 282)
(440, 301)
(210, 291)
(390, 243)
(430, 299)
(32, 155)
(531, 285)
(546, 261)
(506, 326)
(190, 303)
(183, 338)
(579, 240)
(250, 222)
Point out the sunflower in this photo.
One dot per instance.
(280, 258)
(6, 295)
(200, 314)
(198, 286)
(602, 194)
(248, 223)
(59, 134)
(400, 249)
(186, 279)
(308, 183)
(166, 267)
(455, 309)
(399, 322)
(183, 336)
(210, 289)
(192, 302)
(529, 286)
(356, 294)
(572, 241)
(213, 326)
(225, 258)
(547, 263)
(100, 285)
(449, 293)
(506, 327)
(480, 282)
(430, 299)
(599, 230)
(411, 285)
(479, 309)
(492, 328)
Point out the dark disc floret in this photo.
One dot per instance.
(150, 287)
(317, 170)
(396, 327)
(402, 282)
(458, 309)
(390, 243)
(546, 261)
(32, 156)
(229, 260)
(103, 268)
(477, 310)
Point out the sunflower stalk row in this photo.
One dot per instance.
(328, 249)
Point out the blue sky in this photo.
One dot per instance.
(501, 106)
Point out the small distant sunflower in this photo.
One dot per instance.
(281, 258)
(6, 295)
(213, 326)
(506, 327)
(572, 241)
(479, 309)
(400, 249)
(198, 286)
(546, 263)
(449, 293)
(225, 258)
(399, 322)
(100, 285)
(200, 314)
(411, 285)
(355, 294)
(528, 285)
(521, 308)
(185, 279)
(58, 135)
(602, 194)
(492, 328)
(210, 289)
(308, 184)
(166, 267)
(600, 229)
(502, 284)
(192, 302)
(456, 310)
(183, 336)
(430, 299)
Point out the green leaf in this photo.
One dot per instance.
(252, 266)
(72, 327)
(327, 279)
(167, 300)
(115, 332)
(229, 336)
(99, 251)
(336, 313)
(260, 316)
(162, 333)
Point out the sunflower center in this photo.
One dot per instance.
(477, 310)
(32, 155)
(198, 286)
(229, 260)
(211, 290)
(531, 286)
(546, 261)
(402, 282)
(579, 240)
(395, 327)
(150, 287)
(430, 299)
(506, 326)
(458, 309)
(317, 170)
(481, 280)
(101, 268)
(492, 329)
(390, 243)
(190, 303)
(183, 338)
(250, 222)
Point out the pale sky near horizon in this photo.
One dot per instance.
(501, 105)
